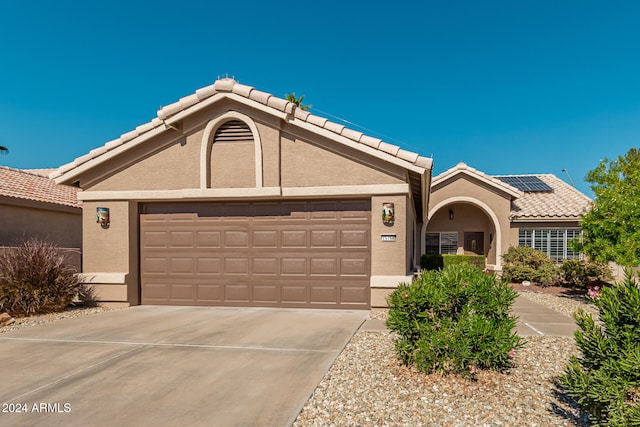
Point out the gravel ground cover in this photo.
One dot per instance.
(368, 386)
(25, 322)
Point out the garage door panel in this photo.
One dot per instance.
(237, 293)
(239, 266)
(323, 266)
(156, 291)
(209, 293)
(294, 293)
(354, 266)
(292, 254)
(265, 294)
(154, 265)
(208, 266)
(155, 239)
(236, 239)
(265, 266)
(293, 266)
(324, 239)
(181, 239)
(209, 239)
(323, 294)
(182, 292)
(353, 294)
(354, 239)
(264, 239)
(294, 238)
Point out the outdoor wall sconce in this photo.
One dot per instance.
(451, 214)
(102, 217)
(388, 214)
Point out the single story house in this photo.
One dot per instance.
(34, 206)
(233, 196)
(471, 212)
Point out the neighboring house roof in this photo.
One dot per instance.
(25, 185)
(169, 116)
(563, 203)
(41, 172)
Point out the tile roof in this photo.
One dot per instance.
(564, 202)
(20, 184)
(229, 88)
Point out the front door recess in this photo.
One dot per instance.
(474, 242)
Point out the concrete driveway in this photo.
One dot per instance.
(170, 366)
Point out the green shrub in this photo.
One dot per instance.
(455, 320)
(522, 263)
(431, 262)
(578, 273)
(438, 262)
(477, 260)
(34, 278)
(605, 379)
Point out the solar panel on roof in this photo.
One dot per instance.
(526, 183)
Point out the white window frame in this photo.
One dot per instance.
(447, 240)
(554, 242)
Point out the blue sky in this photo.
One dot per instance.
(508, 87)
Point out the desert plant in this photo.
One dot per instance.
(578, 273)
(456, 320)
(34, 278)
(522, 263)
(605, 378)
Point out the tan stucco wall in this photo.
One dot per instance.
(289, 159)
(23, 220)
(307, 165)
(390, 261)
(112, 249)
(233, 165)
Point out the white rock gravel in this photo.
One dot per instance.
(368, 386)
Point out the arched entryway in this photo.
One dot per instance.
(463, 225)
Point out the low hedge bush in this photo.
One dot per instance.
(605, 378)
(34, 278)
(578, 273)
(522, 263)
(456, 320)
(438, 262)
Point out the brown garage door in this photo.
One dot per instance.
(287, 254)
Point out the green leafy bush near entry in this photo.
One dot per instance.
(34, 278)
(456, 320)
(522, 263)
(438, 262)
(578, 273)
(605, 379)
(431, 262)
(477, 260)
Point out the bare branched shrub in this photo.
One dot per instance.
(34, 278)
